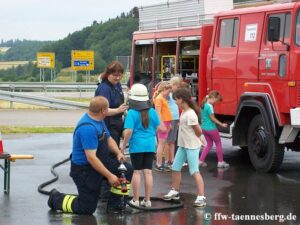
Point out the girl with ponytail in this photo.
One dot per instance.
(188, 147)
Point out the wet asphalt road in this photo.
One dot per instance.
(231, 194)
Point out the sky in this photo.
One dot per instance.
(55, 19)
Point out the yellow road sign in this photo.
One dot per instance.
(82, 60)
(45, 60)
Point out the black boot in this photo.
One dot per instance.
(53, 192)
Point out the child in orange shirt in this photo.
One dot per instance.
(164, 113)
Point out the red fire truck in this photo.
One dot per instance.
(250, 55)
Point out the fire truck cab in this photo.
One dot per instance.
(253, 61)
(250, 55)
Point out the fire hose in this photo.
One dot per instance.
(171, 205)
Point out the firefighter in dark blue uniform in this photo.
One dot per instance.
(88, 170)
(111, 89)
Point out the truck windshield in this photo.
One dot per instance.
(297, 32)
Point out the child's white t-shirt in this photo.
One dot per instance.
(186, 135)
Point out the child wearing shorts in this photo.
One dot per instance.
(164, 113)
(172, 137)
(188, 147)
(140, 127)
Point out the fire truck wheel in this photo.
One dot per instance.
(265, 153)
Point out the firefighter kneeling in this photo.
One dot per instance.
(91, 163)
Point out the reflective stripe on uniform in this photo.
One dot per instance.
(67, 203)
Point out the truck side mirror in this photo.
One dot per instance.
(274, 29)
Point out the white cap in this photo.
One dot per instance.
(138, 92)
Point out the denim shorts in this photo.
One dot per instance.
(189, 155)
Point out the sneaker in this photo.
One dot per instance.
(222, 164)
(135, 203)
(146, 203)
(169, 165)
(202, 164)
(172, 195)
(159, 168)
(51, 196)
(200, 201)
(167, 168)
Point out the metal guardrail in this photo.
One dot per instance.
(42, 101)
(46, 86)
(34, 86)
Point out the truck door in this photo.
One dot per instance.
(223, 64)
(274, 59)
(249, 49)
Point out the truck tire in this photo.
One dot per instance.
(265, 153)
